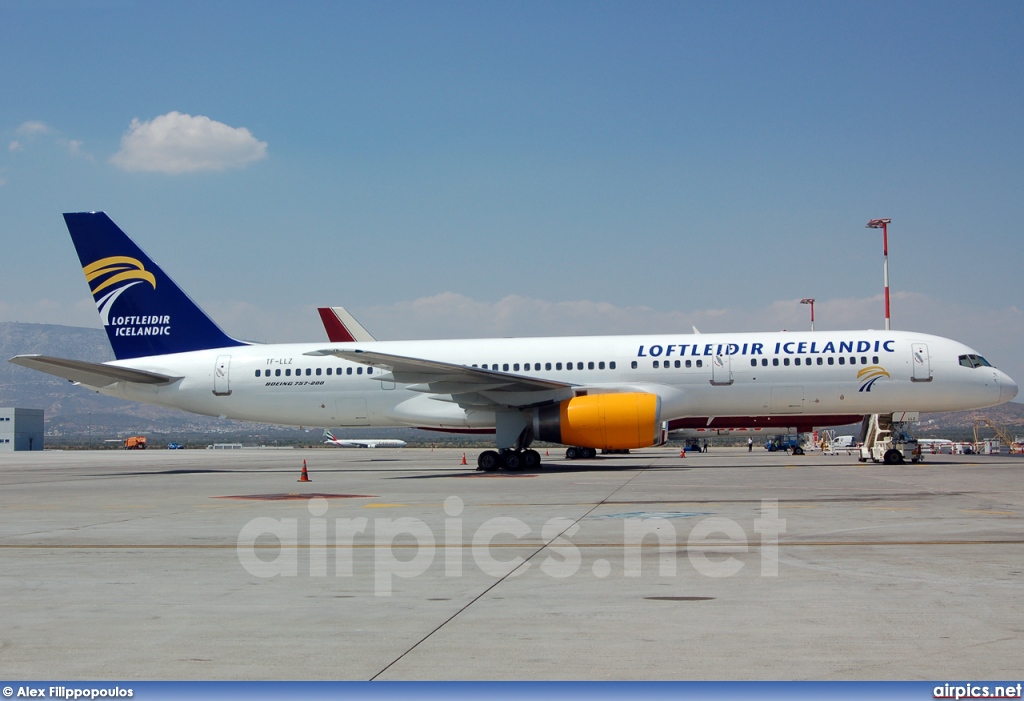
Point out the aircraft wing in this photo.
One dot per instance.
(459, 381)
(92, 374)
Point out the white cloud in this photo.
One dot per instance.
(15, 146)
(32, 129)
(74, 147)
(176, 143)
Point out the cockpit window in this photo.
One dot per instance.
(974, 361)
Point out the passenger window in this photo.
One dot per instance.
(633, 365)
(309, 372)
(348, 371)
(579, 366)
(319, 372)
(257, 373)
(753, 362)
(831, 360)
(775, 362)
(611, 365)
(288, 372)
(796, 361)
(568, 366)
(547, 366)
(516, 367)
(359, 370)
(369, 371)
(689, 364)
(590, 365)
(842, 360)
(820, 361)
(558, 366)
(600, 365)
(655, 363)
(864, 360)
(764, 362)
(785, 361)
(853, 361)
(874, 359)
(277, 373)
(329, 370)
(807, 361)
(700, 363)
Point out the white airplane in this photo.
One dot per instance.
(362, 442)
(589, 393)
(935, 445)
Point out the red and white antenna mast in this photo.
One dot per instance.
(883, 224)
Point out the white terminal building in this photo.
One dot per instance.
(21, 429)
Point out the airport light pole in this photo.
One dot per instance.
(883, 224)
(810, 301)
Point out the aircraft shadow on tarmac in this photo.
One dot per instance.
(545, 470)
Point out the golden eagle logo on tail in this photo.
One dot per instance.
(119, 273)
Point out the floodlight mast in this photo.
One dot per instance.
(810, 301)
(883, 224)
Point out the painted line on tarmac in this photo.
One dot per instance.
(526, 544)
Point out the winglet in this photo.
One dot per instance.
(342, 327)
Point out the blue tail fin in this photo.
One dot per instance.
(141, 308)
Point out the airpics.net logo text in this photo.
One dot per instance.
(270, 547)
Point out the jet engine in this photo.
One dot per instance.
(602, 421)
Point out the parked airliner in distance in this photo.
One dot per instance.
(589, 392)
(362, 442)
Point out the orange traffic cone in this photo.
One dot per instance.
(682, 452)
(305, 475)
(547, 454)
(464, 459)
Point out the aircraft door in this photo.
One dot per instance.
(787, 400)
(921, 362)
(222, 376)
(352, 412)
(721, 370)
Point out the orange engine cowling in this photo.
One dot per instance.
(603, 421)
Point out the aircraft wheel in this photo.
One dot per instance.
(531, 459)
(488, 461)
(513, 460)
(588, 453)
(893, 457)
(571, 453)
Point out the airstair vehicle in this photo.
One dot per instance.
(885, 440)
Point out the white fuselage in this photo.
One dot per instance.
(705, 375)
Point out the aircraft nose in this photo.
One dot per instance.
(1007, 388)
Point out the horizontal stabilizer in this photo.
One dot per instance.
(92, 374)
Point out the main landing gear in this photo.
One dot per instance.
(510, 459)
(574, 453)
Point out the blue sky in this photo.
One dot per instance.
(476, 169)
